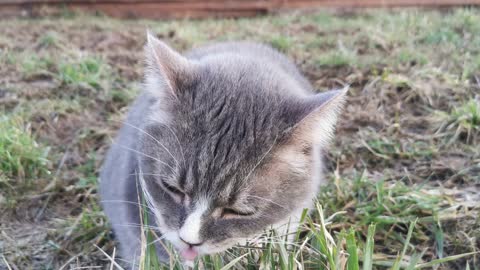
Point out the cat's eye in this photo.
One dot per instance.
(232, 213)
(175, 191)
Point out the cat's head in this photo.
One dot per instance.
(231, 147)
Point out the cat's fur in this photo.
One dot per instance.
(232, 125)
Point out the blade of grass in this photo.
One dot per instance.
(368, 252)
(6, 263)
(352, 263)
(150, 261)
(446, 259)
(414, 260)
(302, 219)
(325, 238)
(109, 257)
(396, 266)
(233, 262)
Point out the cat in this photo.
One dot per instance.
(224, 142)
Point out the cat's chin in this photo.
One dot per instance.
(189, 254)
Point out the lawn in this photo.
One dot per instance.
(403, 170)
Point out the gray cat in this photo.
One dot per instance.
(223, 143)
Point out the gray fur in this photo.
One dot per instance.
(220, 126)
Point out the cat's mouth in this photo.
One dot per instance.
(189, 253)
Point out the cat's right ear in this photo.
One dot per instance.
(315, 118)
(166, 68)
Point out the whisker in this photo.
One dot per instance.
(268, 200)
(136, 225)
(157, 240)
(129, 202)
(258, 163)
(176, 138)
(147, 195)
(152, 137)
(145, 155)
(276, 241)
(152, 174)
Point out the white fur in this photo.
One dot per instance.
(150, 203)
(190, 231)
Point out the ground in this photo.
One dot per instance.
(406, 156)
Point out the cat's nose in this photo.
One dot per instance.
(191, 244)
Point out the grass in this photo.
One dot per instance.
(360, 210)
(35, 66)
(407, 56)
(403, 171)
(281, 43)
(335, 59)
(47, 40)
(464, 121)
(321, 248)
(84, 72)
(23, 158)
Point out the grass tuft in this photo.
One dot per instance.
(36, 66)
(22, 157)
(87, 71)
(47, 40)
(337, 58)
(324, 246)
(281, 43)
(462, 121)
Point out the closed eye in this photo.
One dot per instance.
(232, 213)
(175, 191)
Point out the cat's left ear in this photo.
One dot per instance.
(318, 115)
(166, 68)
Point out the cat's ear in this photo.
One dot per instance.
(166, 68)
(318, 116)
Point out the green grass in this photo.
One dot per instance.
(84, 72)
(49, 39)
(23, 158)
(321, 248)
(35, 65)
(358, 211)
(409, 56)
(87, 72)
(281, 43)
(334, 59)
(463, 121)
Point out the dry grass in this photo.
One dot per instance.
(407, 147)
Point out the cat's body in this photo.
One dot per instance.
(223, 145)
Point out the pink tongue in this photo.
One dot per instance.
(189, 254)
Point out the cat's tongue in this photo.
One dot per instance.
(189, 254)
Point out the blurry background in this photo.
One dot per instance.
(161, 9)
(407, 146)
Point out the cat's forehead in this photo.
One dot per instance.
(225, 143)
(222, 158)
(227, 121)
